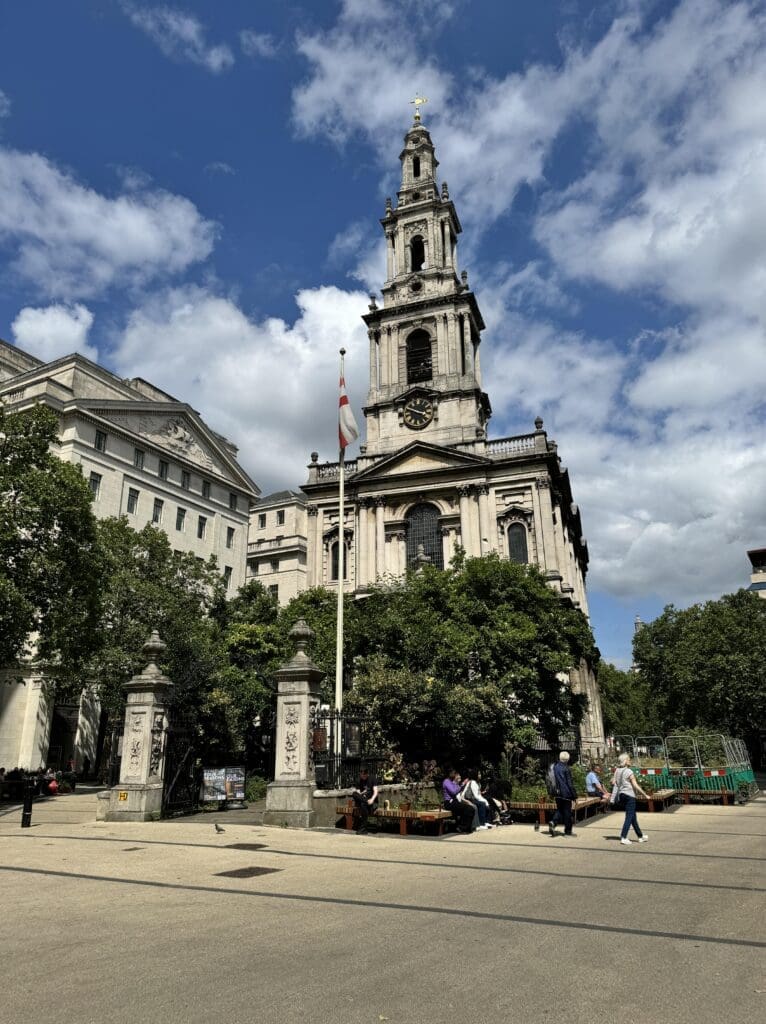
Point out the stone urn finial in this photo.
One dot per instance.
(301, 634)
(152, 651)
(539, 423)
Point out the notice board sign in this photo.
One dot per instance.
(220, 784)
(213, 785)
(235, 783)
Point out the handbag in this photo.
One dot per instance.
(615, 800)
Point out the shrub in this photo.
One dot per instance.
(255, 788)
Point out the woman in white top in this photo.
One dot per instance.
(472, 793)
(627, 789)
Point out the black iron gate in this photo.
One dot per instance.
(182, 776)
(341, 745)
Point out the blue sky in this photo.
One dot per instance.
(190, 192)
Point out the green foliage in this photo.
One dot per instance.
(706, 665)
(50, 568)
(628, 703)
(255, 789)
(148, 586)
(409, 645)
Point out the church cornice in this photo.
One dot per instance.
(433, 302)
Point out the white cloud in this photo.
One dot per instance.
(54, 331)
(272, 387)
(257, 44)
(219, 167)
(70, 241)
(180, 36)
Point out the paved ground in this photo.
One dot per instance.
(143, 923)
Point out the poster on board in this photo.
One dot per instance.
(213, 785)
(235, 783)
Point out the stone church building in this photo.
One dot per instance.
(428, 478)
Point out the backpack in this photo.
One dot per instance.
(551, 783)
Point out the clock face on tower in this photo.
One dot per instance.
(418, 413)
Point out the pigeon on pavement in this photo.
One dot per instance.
(218, 827)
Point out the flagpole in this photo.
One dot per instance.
(341, 565)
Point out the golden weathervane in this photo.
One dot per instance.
(418, 102)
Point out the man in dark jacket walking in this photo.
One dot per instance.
(565, 795)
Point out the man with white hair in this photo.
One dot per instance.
(565, 795)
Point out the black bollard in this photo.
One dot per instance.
(26, 810)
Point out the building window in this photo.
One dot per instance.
(157, 511)
(274, 591)
(335, 559)
(201, 527)
(261, 520)
(229, 536)
(417, 253)
(100, 442)
(418, 357)
(517, 544)
(227, 576)
(416, 167)
(180, 519)
(423, 531)
(232, 501)
(138, 458)
(281, 517)
(274, 565)
(185, 479)
(163, 470)
(95, 485)
(132, 501)
(205, 488)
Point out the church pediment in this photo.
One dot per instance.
(420, 457)
(176, 432)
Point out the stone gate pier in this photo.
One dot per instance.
(138, 794)
(289, 798)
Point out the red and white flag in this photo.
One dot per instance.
(348, 431)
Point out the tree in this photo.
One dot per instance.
(627, 703)
(50, 564)
(148, 586)
(411, 644)
(706, 665)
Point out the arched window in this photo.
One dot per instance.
(423, 528)
(517, 544)
(417, 253)
(416, 167)
(418, 357)
(335, 559)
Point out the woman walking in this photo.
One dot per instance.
(626, 789)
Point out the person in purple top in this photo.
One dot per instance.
(462, 811)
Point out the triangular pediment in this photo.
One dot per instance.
(420, 457)
(174, 428)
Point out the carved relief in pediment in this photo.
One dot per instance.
(171, 432)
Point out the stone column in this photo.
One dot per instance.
(547, 541)
(362, 577)
(311, 512)
(467, 344)
(380, 537)
(290, 797)
(485, 540)
(138, 795)
(373, 361)
(400, 540)
(447, 244)
(385, 348)
(446, 545)
(389, 255)
(318, 553)
(465, 518)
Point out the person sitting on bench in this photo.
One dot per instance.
(462, 811)
(365, 796)
(593, 785)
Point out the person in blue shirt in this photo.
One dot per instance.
(593, 785)
(566, 794)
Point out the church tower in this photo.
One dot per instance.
(428, 481)
(425, 376)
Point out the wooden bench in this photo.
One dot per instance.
(582, 807)
(658, 799)
(404, 816)
(726, 796)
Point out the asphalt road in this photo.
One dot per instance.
(125, 924)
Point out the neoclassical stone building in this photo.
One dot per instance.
(147, 456)
(428, 478)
